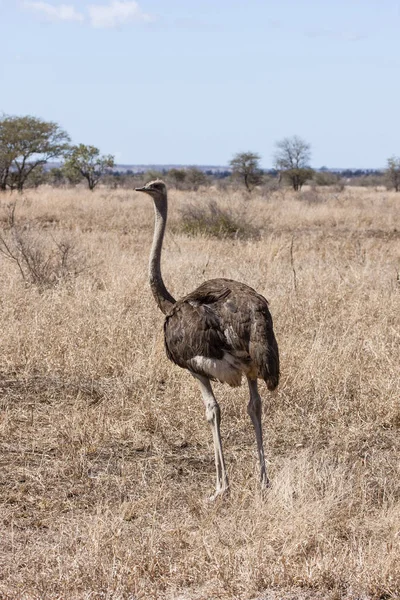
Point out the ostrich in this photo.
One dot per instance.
(219, 332)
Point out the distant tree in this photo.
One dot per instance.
(37, 177)
(195, 178)
(56, 176)
(291, 160)
(12, 181)
(112, 180)
(26, 144)
(70, 174)
(152, 174)
(325, 177)
(393, 172)
(4, 169)
(177, 177)
(245, 166)
(87, 161)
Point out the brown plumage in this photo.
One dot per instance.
(227, 322)
(219, 332)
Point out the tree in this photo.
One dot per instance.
(36, 178)
(87, 161)
(291, 159)
(195, 178)
(4, 169)
(26, 144)
(393, 172)
(326, 178)
(56, 177)
(177, 177)
(71, 174)
(245, 166)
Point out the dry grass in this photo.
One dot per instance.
(106, 459)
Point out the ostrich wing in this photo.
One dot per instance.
(193, 328)
(228, 323)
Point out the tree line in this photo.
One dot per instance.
(291, 160)
(28, 143)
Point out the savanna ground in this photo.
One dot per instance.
(106, 460)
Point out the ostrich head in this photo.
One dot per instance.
(156, 189)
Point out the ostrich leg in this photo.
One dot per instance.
(254, 411)
(213, 416)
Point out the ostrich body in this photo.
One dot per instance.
(219, 332)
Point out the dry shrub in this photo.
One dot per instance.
(41, 261)
(106, 459)
(313, 195)
(213, 220)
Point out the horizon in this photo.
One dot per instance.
(219, 168)
(195, 84)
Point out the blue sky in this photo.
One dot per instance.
(195, 81)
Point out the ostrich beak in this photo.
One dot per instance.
(141, 189)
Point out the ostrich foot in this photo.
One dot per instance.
(221, 492)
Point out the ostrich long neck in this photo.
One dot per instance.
(162, 296)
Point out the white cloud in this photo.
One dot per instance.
(118, 12)
(62, 12)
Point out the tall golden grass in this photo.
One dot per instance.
(106, 459)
